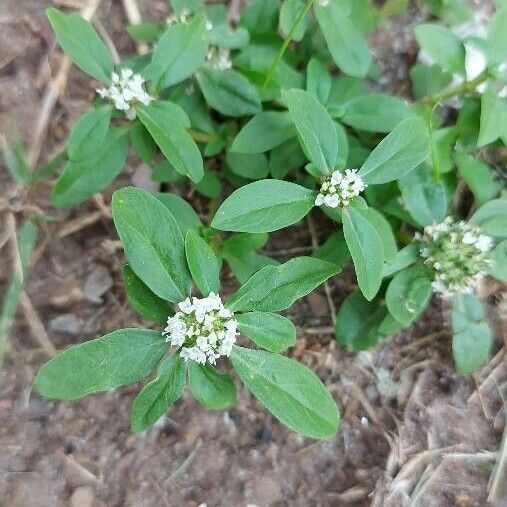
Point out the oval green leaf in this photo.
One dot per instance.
(268, 330)
(264, 206)
(203, 263)
(156, 397)
(116, 359)
(153, 243)
(289, 390)
(209, 387)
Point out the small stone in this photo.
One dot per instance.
(142, 178)
(65, 323)
(99, 281)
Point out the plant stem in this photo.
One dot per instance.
(286, 43)
(462, 88)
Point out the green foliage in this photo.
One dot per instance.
(160, 394)
(472, 341)
(153, 243)
(210, 387)
(264, 206)
(268, 330)
(82, 44)
(289, 390)
(116, 359)
(264, 121)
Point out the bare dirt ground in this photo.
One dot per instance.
(413, 431)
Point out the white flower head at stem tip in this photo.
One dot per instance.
(203, 328)
(339, 188)
(457, 254)
(126, 90)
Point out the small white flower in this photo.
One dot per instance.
(338, 189)
(204, 328)
(219, 58)
(209, 25)
(457, 254)
(125, 90)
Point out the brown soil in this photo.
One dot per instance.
(413, 432)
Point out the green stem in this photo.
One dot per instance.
(462, 88)
(286, 43)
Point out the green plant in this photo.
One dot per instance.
(281, 108)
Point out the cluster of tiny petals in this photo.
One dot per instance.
(203, 328)
(126, 89)
(458, 255)
(339, 188)
(219, 58)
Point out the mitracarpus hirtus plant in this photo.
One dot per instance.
(284, 108)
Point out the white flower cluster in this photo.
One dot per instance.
(339, 188)
(204, 328)
(219, 58)
(184, 16)
(126, 89)
(457, 253)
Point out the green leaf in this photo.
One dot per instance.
(285, 158)
(442, 45)
(228, 91)
(334, 250)
(493, 118)
(424, 198)
(315, 127)
(404, 258)
(260, 16)
(143, 300)
(289, 390)
(82, 44)
(142, 142)
(289, 13)
(179, 52)
(145, 32)
(153, 243)
(174, 141)
(398, 153)
(384, 230)
(357, 322)
(264, 206)
(116, 359)
(427, 80)
(82, 179)
(210, 185)
(211, 388)
(345, 42)
(366, 248)
(244, 264)
(203, 263)
(318, 80)
(224, 36)
(156, 397)
(498, 267)
(408, 294)
(376, 112)
(89, 133)
(185, 215)
(496, 40)
(473, 340)
(268, 330)
(275, 288)
(492, 218)
(478, 176)
(252, 166)
(263, 132)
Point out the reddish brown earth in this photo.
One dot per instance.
(413, 432)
